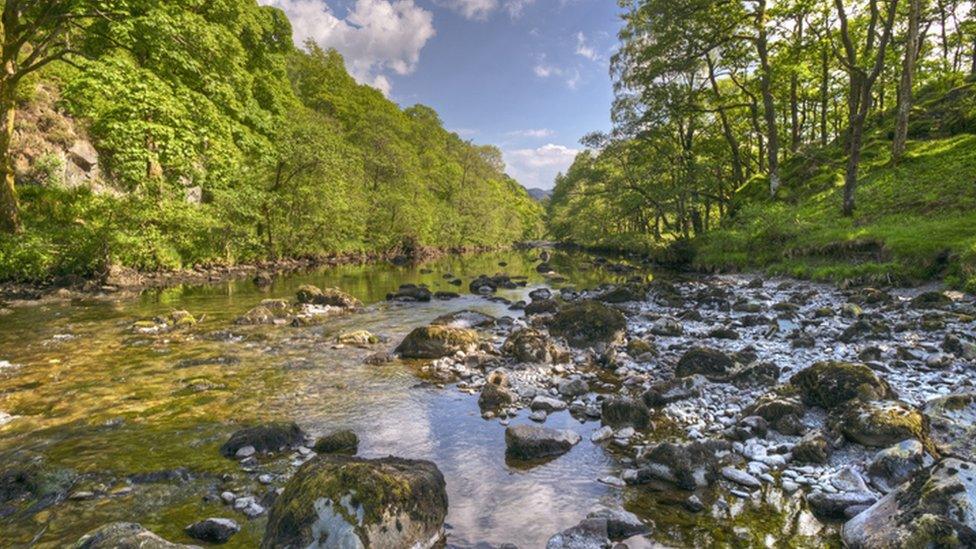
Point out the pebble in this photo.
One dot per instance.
(601, 434)
(265, 479)
(245, 452)
(228, 497)
(538, 415)
(739, 476)
(789, 486)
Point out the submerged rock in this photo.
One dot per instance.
(125, 535)
(340, 501)
(270, 437)
(338, 442)
(331, 297)
(529, 442)
(936, 509)
(830, 384)
(494, 396)
(358, 338)
(586, 323)
(437, 342)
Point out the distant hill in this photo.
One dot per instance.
(539, 194)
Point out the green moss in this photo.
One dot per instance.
(586, 323)
(829, 384)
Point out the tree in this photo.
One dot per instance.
(35, 33)
(907, 78)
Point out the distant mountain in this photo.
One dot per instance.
(539, 194)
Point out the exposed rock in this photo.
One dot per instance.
(257, 315)
(759, 375)
(775, 405)
(666, 326)
(621, 524)
(741, 477)
(882, 423)
(125, 535)
(587, 323)
(711, 363)
(930, 300)
(588, 534)
(495, 396)
(687, 466)
(953, 424)
(213, 530)
(338, 442)
(621, 411)
(410, 293)
(830, 384)
(936, 509)
(573, 387)
(332, 297)
(814, 447)
(270, 437)
(639, 347)
(832, 506)
(674, 390)
(464, 319)
(540, 294)
(541, 307)
(893, 466)
(341, 501)
(436, 342)
(622, 294)
(530, 345)
(549, 404)
(865, 329)
(358, 338)
(529, 442)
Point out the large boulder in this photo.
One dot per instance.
(830, 384)
(341, 501)
(952, 421)
(893, 466)
(936, 509)
(338, 442)
(125, 535)
(711, 363)
(530, 345)
(437, 342)
(527, 442)
(329, 297)
(666, 392)
(270, 437)
(586, 323)
(880, 424)
(775, 405)
(621, 411)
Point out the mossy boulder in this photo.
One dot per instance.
(270, 437)
(777, 404)
(953, 424)
(541, 307)
(937, 508)
(831, 384)
(256, 316)
(637, 347)
(930, 300)
(687, 466)
(182, 319)
(494, 396)
(623, 294)
(343, 501)
(711, 363)
(437, 342)
(125, 535)
(530, 345)
(330, 297)
(622, 411)
(338, 442)
(586, 323)
(357, 338)
(674, 390)
(881, 423)
(812, 448)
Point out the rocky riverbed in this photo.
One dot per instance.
(581, 404)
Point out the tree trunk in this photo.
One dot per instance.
(853, 164)
(9, 206)
(824, 90)
(737, 172)
(905, 85)
(769, 105)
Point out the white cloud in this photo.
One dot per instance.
(533, 133)
(376, 36)
(515, 8)
(573, 80)
(585, 50)
(471, 9)
(538, 167)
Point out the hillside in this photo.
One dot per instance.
(181, 137)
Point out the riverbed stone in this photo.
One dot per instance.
(495, 396)
(897, 464)
(125, 535)
(342, 501)
(269, 437)
(832, 505)
(213, 530)
(621, 524)
(664, 393)
(814, 447)
(622, 411)
(530, 345)
(466, 319)
(588, 534)
(331, 297)
(687, 466)
(711, 363)
(528, 442)
(953, 424)
(935, 509)
(881, 423)
(587, 323)
(357, 338)
(830, 384)
(429, 342)
(338, 442)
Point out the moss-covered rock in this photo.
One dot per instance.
(256, 316)
(331, 297)
(125, 535)
(638, 347)
(830, 384)
(494, 396)
(776, 404)
(953, 424)
(881, 423)
(437, 342)
(623, 294)
(930, 300)
(711, 363)
(812, 448)
(529, 442)
(621, 411)
(586, 323)
(270, 437)
(355, 502)
(357, 338)
(338, 442)
(530, 345)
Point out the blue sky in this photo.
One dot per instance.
(530, 76)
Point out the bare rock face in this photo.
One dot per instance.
(936, 509)
(342, 501)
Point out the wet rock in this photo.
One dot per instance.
(893, 466)
(358, 338)
(667, 327)
(830, 384)
(464, 319)
(446, 296)
(882, 423)
(930, 300)
(549, 404)
(723, 333)
(952, 421)
(431, 342)
(832, 506)
(936, 509)
(621, 524)
(540, 294)
(382, 357)
(675, 390)
(573, 387)
(586, 323)
(355, 502)
(256, 316)
(741, 477)
(410, 293)
(338, 442)
(814, 447)
(123, 535)
(495, 396)
(528, 442)
(687, 466)
(588, 534)
(270, 437)
(759, 375)
(213, 530)
(331, 297)
(542, 307)
(711, 363)
(622, 294)
(621, 411)
(530, 345)
(865, 329)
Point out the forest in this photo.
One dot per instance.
(218, 141)
(829, 140)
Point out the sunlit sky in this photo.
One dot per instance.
(530, 76)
